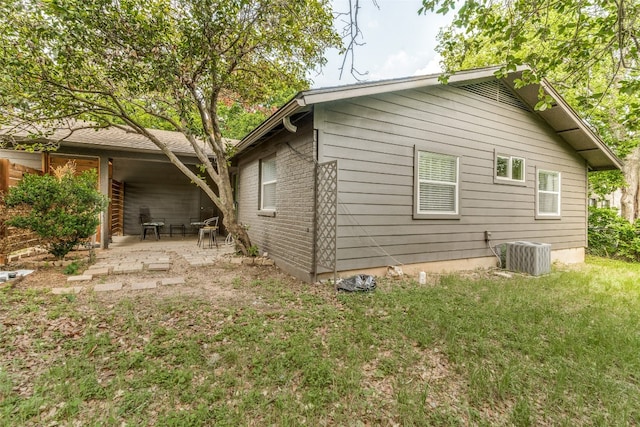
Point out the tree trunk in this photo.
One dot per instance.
(631, 192)
(220, 176)
(239, 234)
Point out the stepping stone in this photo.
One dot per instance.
(159, 267)
(68, 290)
(144, 285)
(199, 263)
(128, 268)
(105, 287)
(172, 281)
(82, 278)
(102, 271)
(100, 265)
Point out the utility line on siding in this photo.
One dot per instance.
(348, 213)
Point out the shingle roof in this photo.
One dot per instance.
(117, 139)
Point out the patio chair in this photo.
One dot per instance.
(148, 223)
(210, 227)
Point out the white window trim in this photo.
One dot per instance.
(417, 213)
(268, 209)
(546, 215)
(509, 179)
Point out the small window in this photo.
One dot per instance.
(548, 201)
(436, 184)
(510, 168)
(268, 180)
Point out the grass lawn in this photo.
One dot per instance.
(465, 350)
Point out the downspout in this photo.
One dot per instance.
(286, 121)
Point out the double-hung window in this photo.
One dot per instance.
(548, 194)
(510, 169)
(268, 181)
(437, 185)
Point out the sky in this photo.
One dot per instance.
(398, 43)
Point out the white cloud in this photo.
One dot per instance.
(432, 67)
(373, 24)
(403, 63)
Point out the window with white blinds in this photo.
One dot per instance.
(548, 200)
(268, 181)
(437, 184)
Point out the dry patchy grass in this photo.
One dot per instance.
(252, 346)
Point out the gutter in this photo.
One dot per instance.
(297, 103)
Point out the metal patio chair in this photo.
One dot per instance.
(148, 223)
(210, 227)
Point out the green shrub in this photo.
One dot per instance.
(253, 251)
(610, 235)
(62, 209)
(71, 269)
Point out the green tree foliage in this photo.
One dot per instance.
(237, 118)
(547, 35)
(161, 62)
(612, 236)
(587, 49)
(603, 183)
(62, 210)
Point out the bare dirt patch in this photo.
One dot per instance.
(222, 282)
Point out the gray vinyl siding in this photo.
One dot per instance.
(373, 139)
(288, 236)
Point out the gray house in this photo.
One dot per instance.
(417, 174)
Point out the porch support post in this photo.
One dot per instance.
(104, 189)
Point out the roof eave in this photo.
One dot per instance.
(118, 148)
(322, 95)
(615, 161)
(296, 104)
(606, 160)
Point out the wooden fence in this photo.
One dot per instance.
(13, 239)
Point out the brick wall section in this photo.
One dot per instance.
(288, 236)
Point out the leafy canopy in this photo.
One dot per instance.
(161, 63)
(109, 59)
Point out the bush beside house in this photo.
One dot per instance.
(612, 236)
(62, 209)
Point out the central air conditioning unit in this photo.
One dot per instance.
(529, 257)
